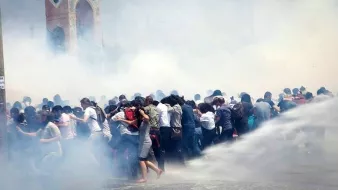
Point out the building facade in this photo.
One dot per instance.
(69, 22)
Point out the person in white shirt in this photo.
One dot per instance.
(96, 135)
(165, 132)
(129, 141)
(207, 118)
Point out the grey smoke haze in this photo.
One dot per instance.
(191, 46)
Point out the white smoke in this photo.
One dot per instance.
(190, 46)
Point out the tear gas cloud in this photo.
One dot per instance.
(191, 46)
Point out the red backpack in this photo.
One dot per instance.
(130, 116)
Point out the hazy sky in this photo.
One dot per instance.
(190, 45)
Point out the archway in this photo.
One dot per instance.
(84, 21)
(57, 39)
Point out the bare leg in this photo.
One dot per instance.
(143, 172)
(153, 167)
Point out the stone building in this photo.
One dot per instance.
(73, 22)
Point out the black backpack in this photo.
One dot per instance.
(237, 111)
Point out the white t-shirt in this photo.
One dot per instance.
(50, 131)
(208, 120)
(163, 115)
(66, 132)
(92, 120)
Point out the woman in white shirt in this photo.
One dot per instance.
(207, 118)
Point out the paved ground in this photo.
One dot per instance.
(213, 185)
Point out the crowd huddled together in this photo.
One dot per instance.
(132, 136)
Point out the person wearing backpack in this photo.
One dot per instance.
(96, 136)
(240, 114)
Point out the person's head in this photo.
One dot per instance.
(191, 103)
(57, 98)
(14, 113)
(287, 91)
(321, 91)
(302, 90)
(179, 100)
(17, 105)
(155, 103)
(295, 91)
(197, 97)
(78, 112)
(45, 108)
(308, 96)
(111, 102)
(204, 108)
(27, 101)
(246, 98)
(85, 103)
(30, 114)
(67, 109)
(45, 101)
(174, 92)
(218, 101)
(268, 95)
(217, 93)
(57, 111)
(122, 97)
(44, 117)
(50, 104)
(149, 100)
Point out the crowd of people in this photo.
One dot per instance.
(132, 136)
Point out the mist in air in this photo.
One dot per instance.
(190, 46)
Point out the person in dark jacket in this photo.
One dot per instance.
(223, 119)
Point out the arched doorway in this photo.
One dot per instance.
(84, 21)
(57, 39)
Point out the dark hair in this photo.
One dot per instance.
(246, 98)
(45, 107)
(93, 103)
(78, 112)
(50, 104)
(191, 103)
(15, 111)
(149, 99)
(204, 108)
(67, 109)
(267, 94)
(308, 95)
(86, 101)
(30, 110)
(155, 103)
(17, 105)
(287, 91)
(295, 91)
(121, 97)
(21, 118)
(57, 109)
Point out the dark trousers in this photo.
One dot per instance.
(155, 136)
(189, 143)
(127, 153)
(208, 137)
(165, 142)
(226, 135)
